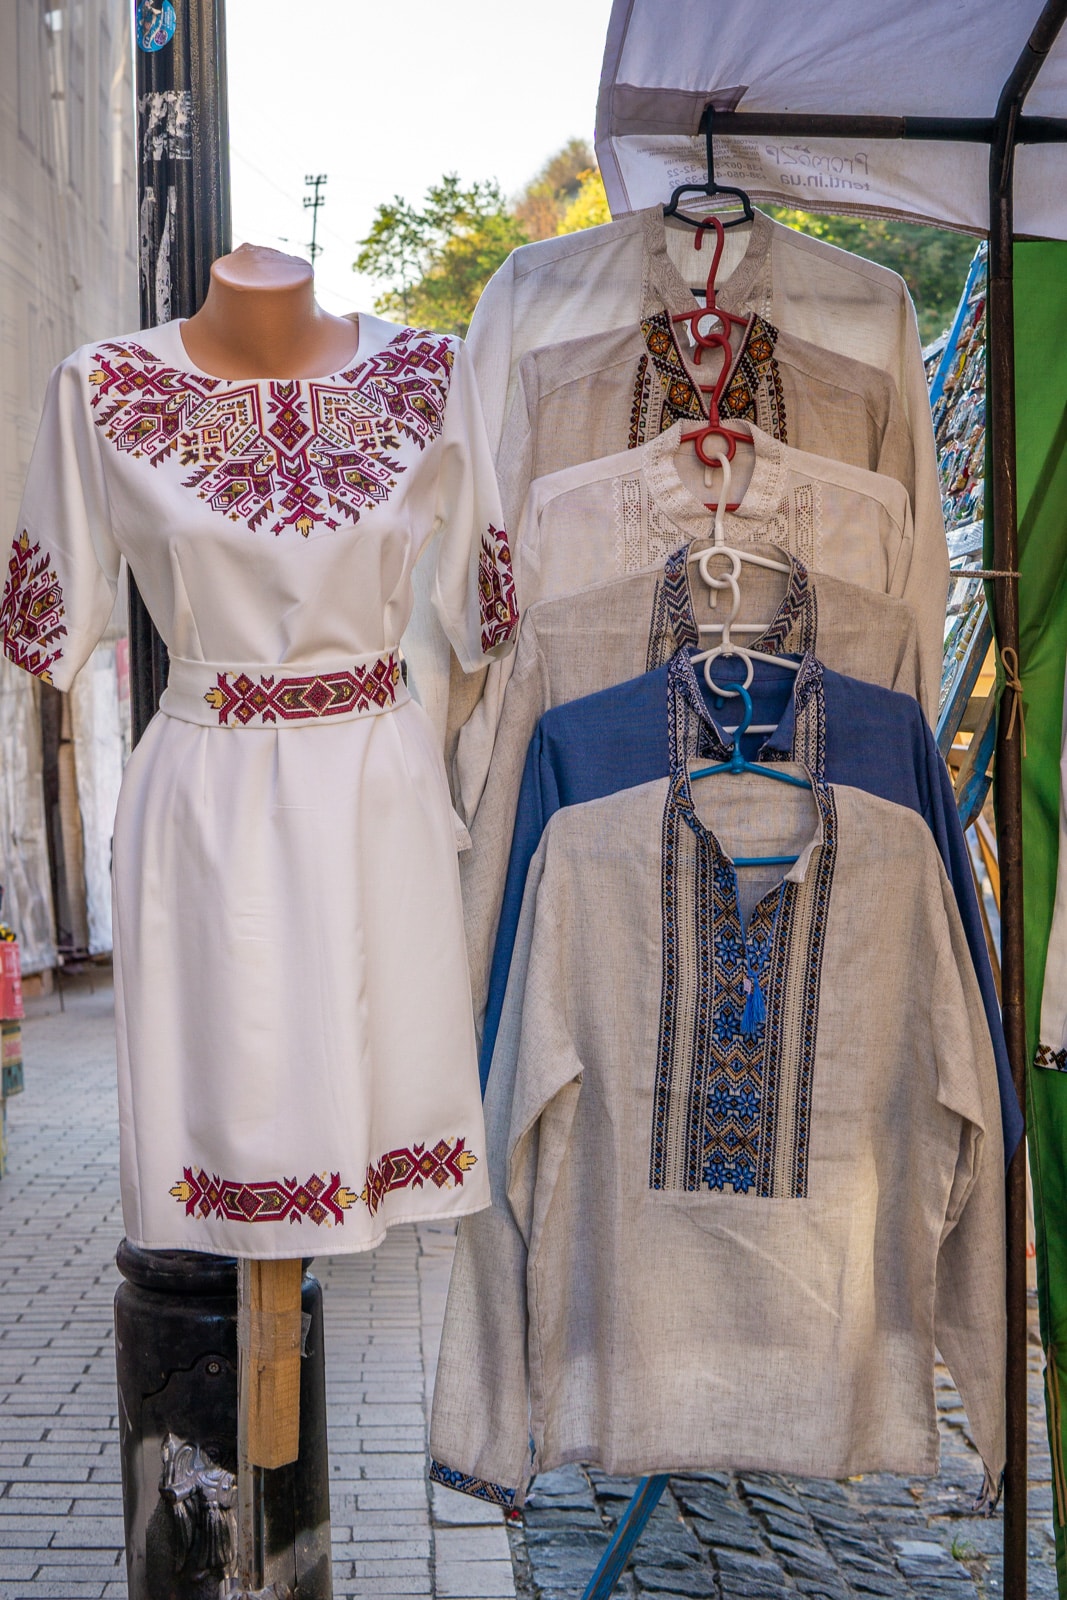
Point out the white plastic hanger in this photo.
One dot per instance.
(728, 646)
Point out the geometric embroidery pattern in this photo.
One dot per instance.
(32, 610)
(792, 631)
(305, 453)
(321, 1201)
(329, 694)
(497, 603)
(1045, 1056)
(480, 1488)
(446, 1164)
(732, 1107)
(753, 392)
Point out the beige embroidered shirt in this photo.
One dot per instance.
(603, 278)
(719, 1243)
(610, 391)
(581, 643)
(626, 511)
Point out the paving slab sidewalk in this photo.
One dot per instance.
(755, 1537)
(60, 1492)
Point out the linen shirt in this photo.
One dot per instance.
(712, 1248)
(600, 279)
(627, 511)
(579, 644)
(597, 395)
(845, 731)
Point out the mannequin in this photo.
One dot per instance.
(296, 1058)
(260, 319)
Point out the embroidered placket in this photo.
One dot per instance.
(732, 1092)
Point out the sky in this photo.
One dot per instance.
(385, 99)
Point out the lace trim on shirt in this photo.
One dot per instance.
(32, 610)
(309, 454)
(792, 631)
(753, 393)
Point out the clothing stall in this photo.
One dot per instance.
(755, 467)
(872, 122)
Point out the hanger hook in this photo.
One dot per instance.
(719, 526)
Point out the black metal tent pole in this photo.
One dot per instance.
(183, 211)
(1008, 771)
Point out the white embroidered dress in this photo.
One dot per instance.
(295, 1044)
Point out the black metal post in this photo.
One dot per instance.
(183, 218)
(1008, 772)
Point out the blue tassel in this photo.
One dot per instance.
(755, 1012)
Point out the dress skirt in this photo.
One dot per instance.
(296, 1052)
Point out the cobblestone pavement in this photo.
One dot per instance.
(750, 1538)
(759, 1536)
(60, 1493)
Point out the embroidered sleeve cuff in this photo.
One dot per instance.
(480, 1488)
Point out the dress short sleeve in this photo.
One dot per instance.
(474, 585)
(63, 568)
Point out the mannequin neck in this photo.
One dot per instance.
(260, 319)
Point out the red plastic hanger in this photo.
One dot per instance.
(717, 338)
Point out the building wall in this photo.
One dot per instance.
(68, 274)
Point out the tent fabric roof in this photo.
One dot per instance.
(945, 58)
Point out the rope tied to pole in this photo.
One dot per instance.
(1009, 661)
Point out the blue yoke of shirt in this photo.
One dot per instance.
(876, 740)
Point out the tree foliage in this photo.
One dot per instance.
(932, 261)
(545, 203)
(437, 260)
(589, 208)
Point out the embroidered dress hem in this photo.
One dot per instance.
(330, 1245)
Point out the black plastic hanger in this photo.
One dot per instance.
(709, 188)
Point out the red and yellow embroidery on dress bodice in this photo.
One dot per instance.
(303, 452)
(32, 610)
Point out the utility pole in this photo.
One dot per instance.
(312, 204)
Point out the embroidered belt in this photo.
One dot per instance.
(222, 696)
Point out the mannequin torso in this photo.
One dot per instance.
(260, 319)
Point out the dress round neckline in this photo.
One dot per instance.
(188, 365)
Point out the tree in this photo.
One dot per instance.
(547, 198)
(589, 207)
(932, 261)
(438, 260)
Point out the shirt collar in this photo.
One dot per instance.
(799, 736)
(792, 629)
(685, 702)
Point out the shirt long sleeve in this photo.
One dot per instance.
(480, 1428)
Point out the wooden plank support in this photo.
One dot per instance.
(269, 1341)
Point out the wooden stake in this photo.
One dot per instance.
(269, 1337)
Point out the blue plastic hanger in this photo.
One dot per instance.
(737, 763)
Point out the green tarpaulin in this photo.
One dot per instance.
(1041, 404)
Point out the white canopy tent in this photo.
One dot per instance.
(918, 59)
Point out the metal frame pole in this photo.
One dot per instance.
(1008, 771)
